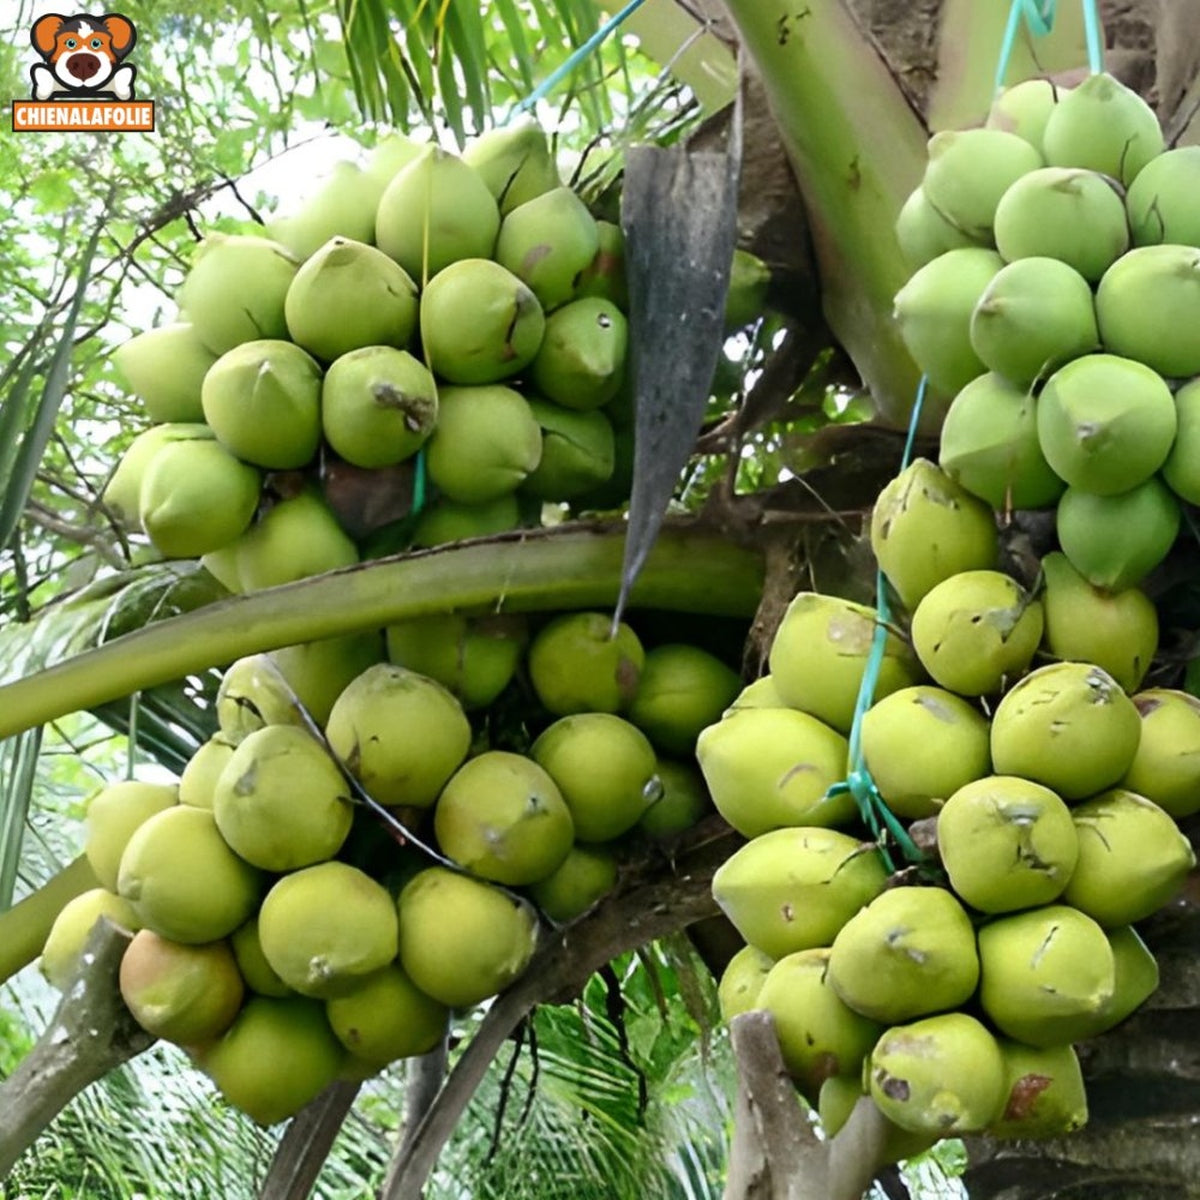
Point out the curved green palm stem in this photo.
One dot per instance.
(858, 149)
(23, 928)
(692, 569)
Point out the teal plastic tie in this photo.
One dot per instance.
(577, 56)
(879, 819)
(1038, 16)
(420, 485)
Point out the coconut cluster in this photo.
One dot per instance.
(1055, 299)
(953, 998)
(470, 308)
(282, 936)
(1009, 723)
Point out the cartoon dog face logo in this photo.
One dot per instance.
(83, 56)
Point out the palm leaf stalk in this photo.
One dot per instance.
(857, 148)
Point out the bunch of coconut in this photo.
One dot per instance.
(1056, 303)
(1009, 720)
(285, 939)
(469, 309)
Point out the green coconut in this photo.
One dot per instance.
(605, 769)
(486, 442)
(326, 928)
(445, 521)
(990, 446)
(182, 994)
(379, 406)
(474, 657)
(183, 880)
(578, 452)
(941, 1076)
(342, 205)
(975, 630)
(122, 491)
(549, 242)
(579, 663)
(462, 940)
(581, 361)
(604, 277)
(749, 286)
(389, 156)
(1074, 215)
(819, 654)
(682, 690)
(770, 767)
(258, 974)
(294, 539)
(503, 818)
(1104, 126)
(252, 694)
(112, 816)
(514, 161)
(281, 802)
(1069, 726)
(1117, 631)
(819, 1034)
(1045, 974)
(1181, 471)
(1025, 108)
(840, 1095)
(1006, 843)
(166, 367)
(263, 401)
(435, 211)
(235, 290)
(1035, 314)
(926, 528)
(196, 497)
(198, 780)
(908, 953)
(317, 672)
(385, 1017)
(277, 1056)
(741, 981)
(1136, 974)
(934, 312)
(1105, 423)
(400, 734)
(1166, 767)
(921, 744)
(1148, 307)
(479, 322)
(793, 889)
(1045, 1096)
(584, 877)
(1114, 542)
(1161, 201)
(684, 801)
(349, 295)
(68, 935)
(923, 233)
(1132, 858)
(970, 169)
(762, 693)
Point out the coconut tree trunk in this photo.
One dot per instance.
(855, 86)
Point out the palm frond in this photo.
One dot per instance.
(18, 770)
(467, 66)
(17, 480)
